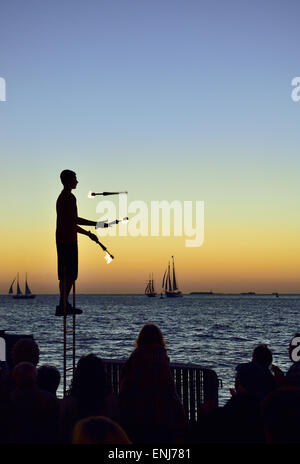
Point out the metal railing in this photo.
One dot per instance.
(195, 384)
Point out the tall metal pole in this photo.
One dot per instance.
(65, 330)
(74, 327)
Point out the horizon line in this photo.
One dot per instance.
(187, 293)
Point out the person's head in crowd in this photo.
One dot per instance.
(99, 430)
(150, 334)
(262, 355)
(48, 378)
(293, 375)
(26, 350)
(281, 416)
(250, 378)
(90, 378)
(24, 375)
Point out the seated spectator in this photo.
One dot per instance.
(239, 421)
(151, 411)
(281, 416)
(48, 378)
(4, 404)
(33, 413)
(293, 376)
(99, 431)
(26, 350)
(262, 356)
(90, 394)
(251, 378)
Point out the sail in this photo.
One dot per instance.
(152, 284)
(169, 279)
(27, 289)
(11, 287)
(174, 278)
(166, 280)
(163, 281)
(18, 289)
(18, 286)
(149, 290)
(170, 282)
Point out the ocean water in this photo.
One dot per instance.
(215, 331)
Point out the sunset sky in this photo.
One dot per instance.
(170, 100)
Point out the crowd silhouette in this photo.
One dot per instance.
(264, 407)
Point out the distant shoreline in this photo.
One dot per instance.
(185, 294)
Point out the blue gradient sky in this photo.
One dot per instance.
(167, 99)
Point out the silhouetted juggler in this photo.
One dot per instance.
(67, 227)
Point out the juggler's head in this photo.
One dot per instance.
(68, 179)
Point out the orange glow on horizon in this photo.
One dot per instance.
(230, 260)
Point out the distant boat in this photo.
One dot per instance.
(248, 293)
(202, 293)
(149, 290)
(19, 295)
(169, 283)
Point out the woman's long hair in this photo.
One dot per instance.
(89, 385)
(150, 334)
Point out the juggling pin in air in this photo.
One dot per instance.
(104, 224)
(93, 194)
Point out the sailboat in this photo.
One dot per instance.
(149, 290)
(19, 295)
(169, 283)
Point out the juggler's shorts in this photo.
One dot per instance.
(67, 261)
